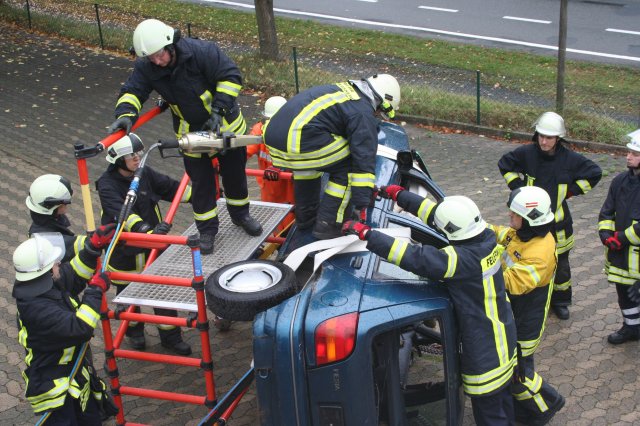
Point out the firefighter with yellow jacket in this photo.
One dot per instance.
(470, 268)
(563, 173)
(528, 265)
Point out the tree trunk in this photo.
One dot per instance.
(266, 29)
(562, 53)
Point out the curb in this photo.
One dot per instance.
(509, 135)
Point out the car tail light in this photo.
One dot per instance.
(335, 338)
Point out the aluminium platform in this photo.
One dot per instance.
(232, 244)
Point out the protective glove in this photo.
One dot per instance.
(162, 228)
(353, 227)
(634, 292)
(125, 123)
(613, 242)
(390, 191)
(272, 174)
(215, 121)
(100, 280)
(360, 214)
(102, 236)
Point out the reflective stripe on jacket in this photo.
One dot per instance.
(562, 174)
(52, 328)
(471, 271)
(621, 212)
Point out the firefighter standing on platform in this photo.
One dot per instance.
(528, 264)
(200, 84)
(331, 129)
(619, 229)
(125, 156)
(470, 268)
(549, 164)
(54, 322)
(48, 200)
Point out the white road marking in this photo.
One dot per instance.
(536, 21)
(439, 9)
(613, 30)
(434, 31)
(369, 1)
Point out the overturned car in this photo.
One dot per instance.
(357, 340)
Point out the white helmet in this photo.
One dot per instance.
(47, 193)
(388, 89)
(459, 218)
(150, 36)
(125, 145)
(550, 124)
(272, 105)
(634, 141)
(35, 257)
(532, 203)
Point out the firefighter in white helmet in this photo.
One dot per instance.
(470, 268)
(201, 85)
(124, 157)
(58, 311)
(332, 129)
(272, 188)
(528, 265)
(619, 229)
(549, 164)
(48, 201)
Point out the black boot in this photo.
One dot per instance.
(135, 336)
(544, 418)
(249, 224)
(324, 230)
(206, 243)
(625, 334)
(172, 339)
(562, 312)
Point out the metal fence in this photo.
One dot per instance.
(439, 92)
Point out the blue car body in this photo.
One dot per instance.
(367, 386)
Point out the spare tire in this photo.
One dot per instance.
(240, 290)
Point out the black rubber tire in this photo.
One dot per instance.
(243, 306)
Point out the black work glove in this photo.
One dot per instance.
(272, 174)
(100, 280)
(215, 121)
(125, 123)
(634, 292)
(162, 228)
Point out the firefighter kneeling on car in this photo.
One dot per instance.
(54, 323)
(470, 268)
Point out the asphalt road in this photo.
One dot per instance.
(598, 30)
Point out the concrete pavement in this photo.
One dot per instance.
(53, 95)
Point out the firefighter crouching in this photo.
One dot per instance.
(200, 83)
(48, 201)
(124, 157)
(528, 265)
(470, 268)
(54, 319)
(331, 129)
